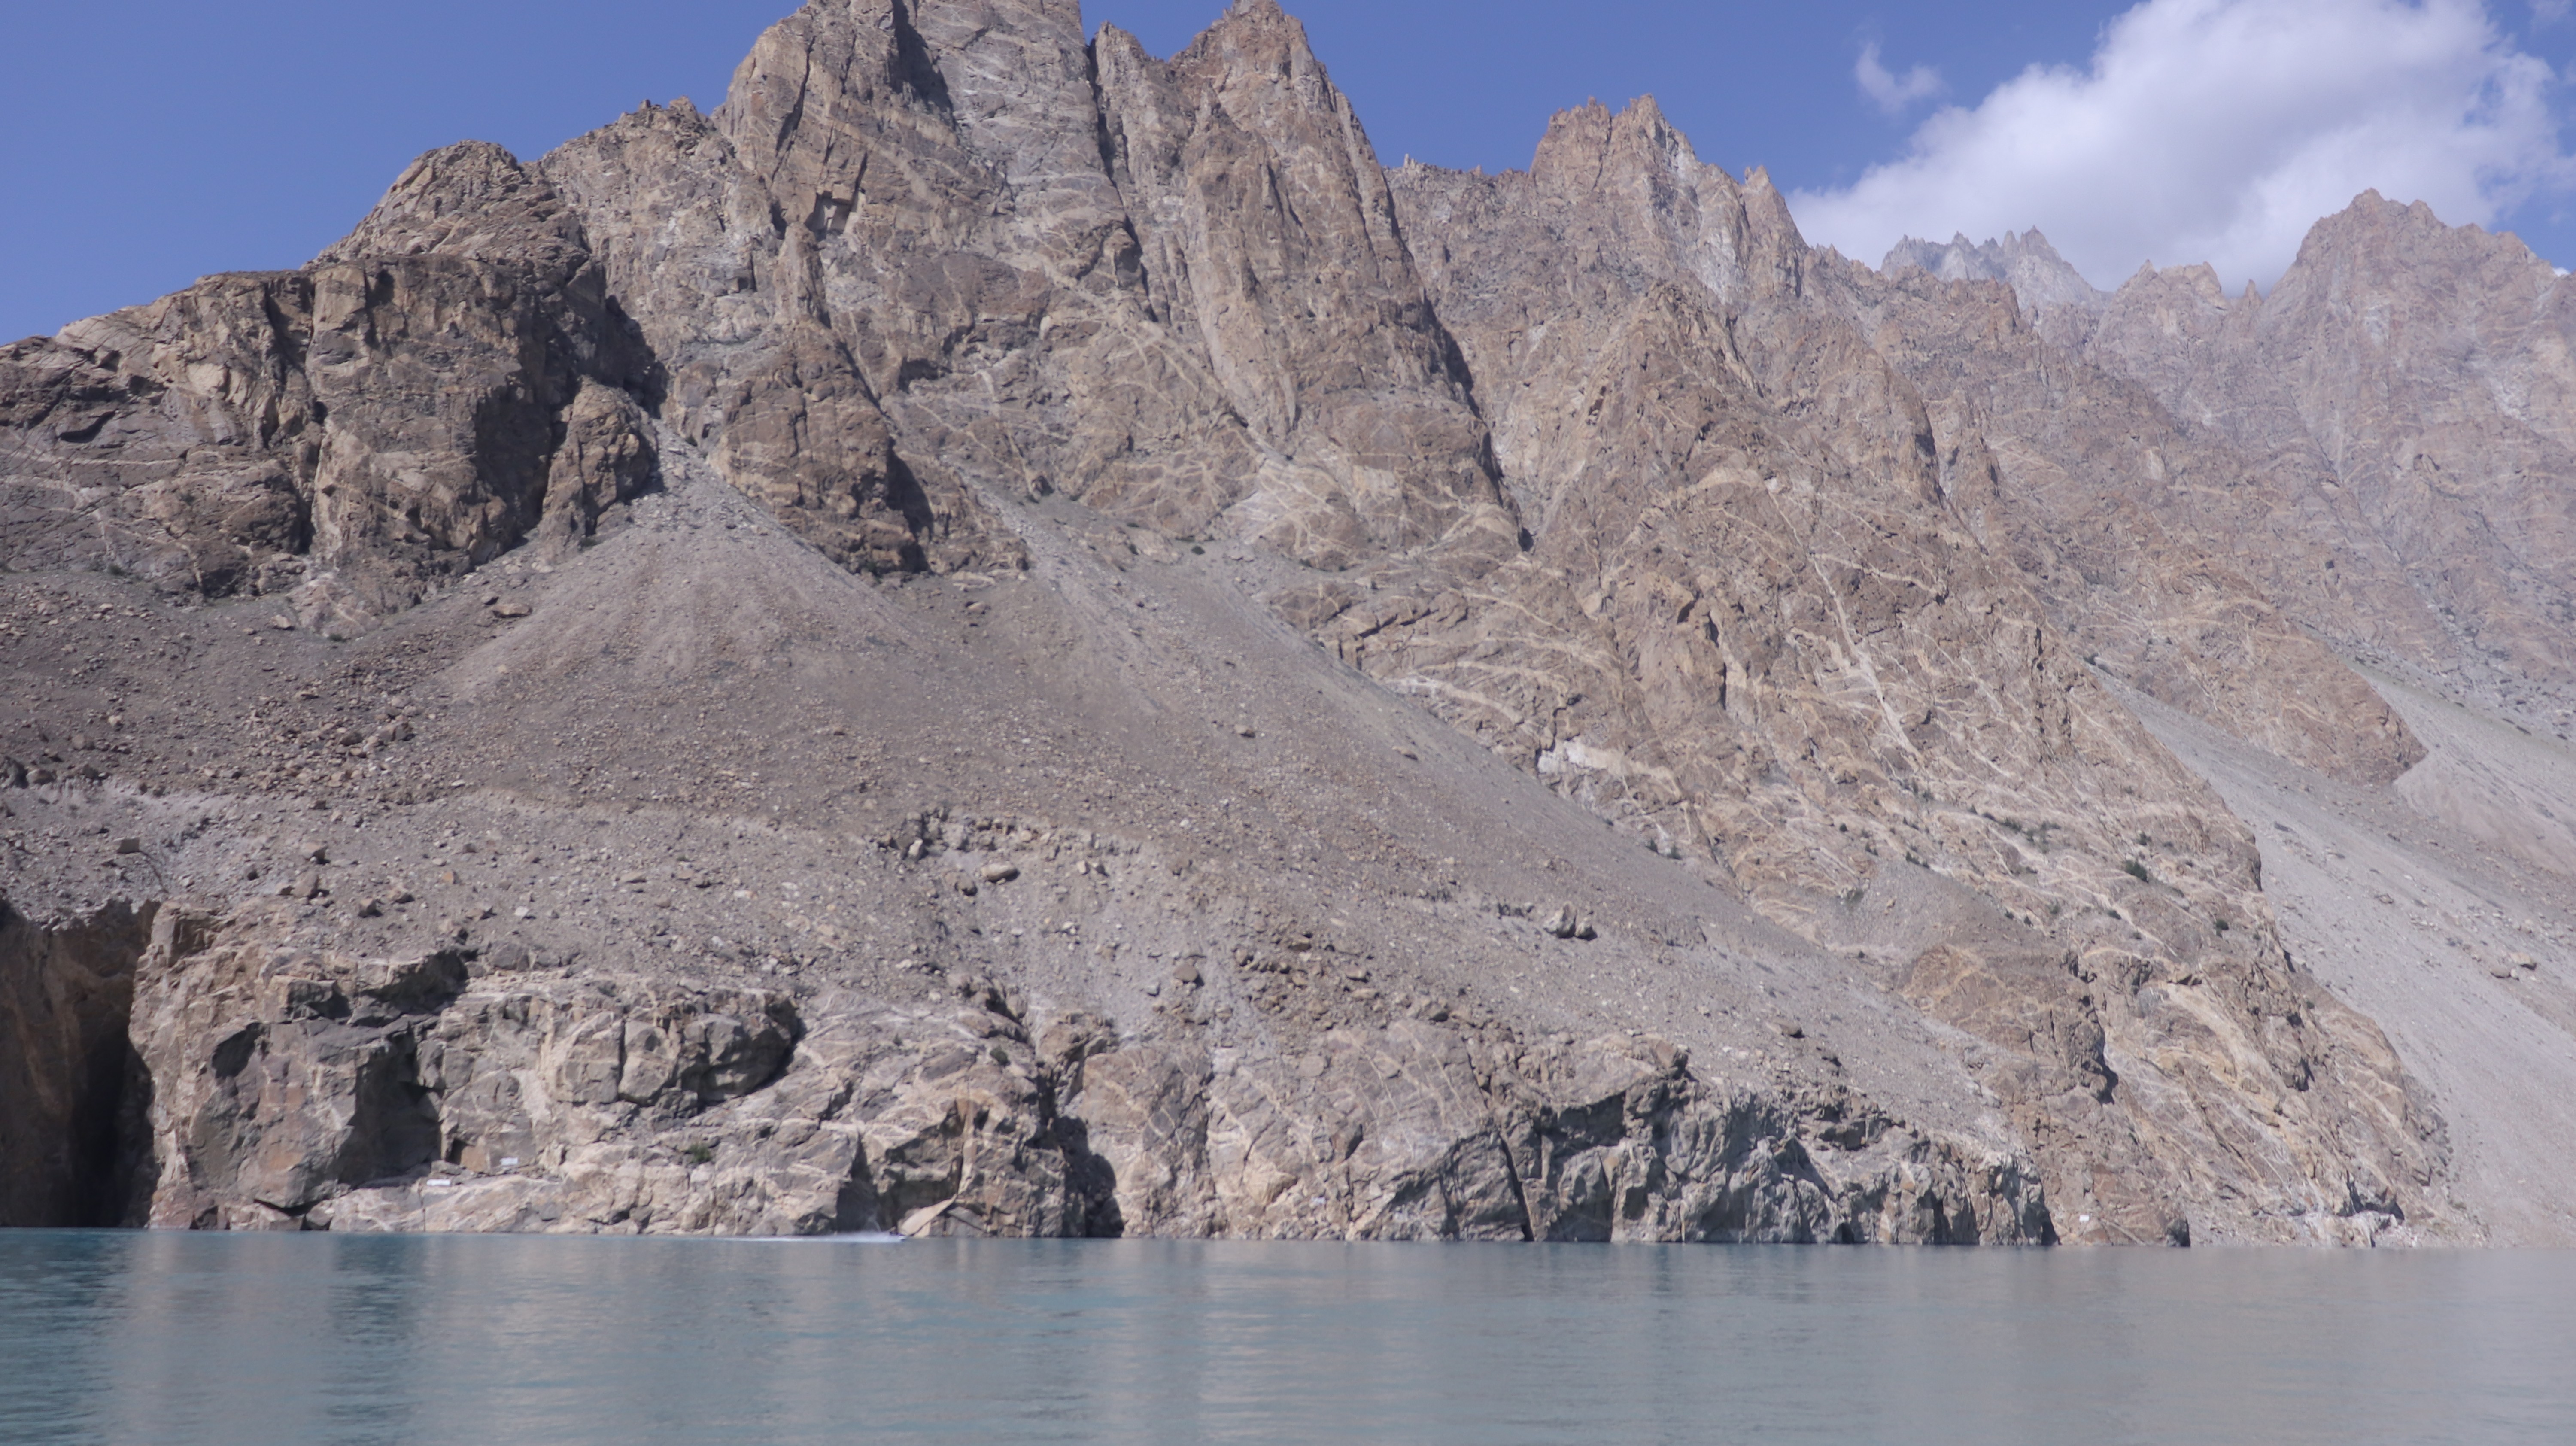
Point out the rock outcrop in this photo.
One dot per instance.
(354, 433)
(2041, 279)
(486, 1091)
(2364, 454)
(2138, 531)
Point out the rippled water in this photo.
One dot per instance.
(320, 1338)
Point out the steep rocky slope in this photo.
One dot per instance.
(2439, 908)
(1004, 635)
(448, 382)
(726, 891)
(2140, 533)
(2414, 380)
(1817, 668)
(2374, 446)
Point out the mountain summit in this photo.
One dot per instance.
(2022, 260)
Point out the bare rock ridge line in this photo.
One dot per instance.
(1006, 636)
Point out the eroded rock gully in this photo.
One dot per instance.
(1002, 635)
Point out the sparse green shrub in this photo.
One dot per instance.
(2138, 871)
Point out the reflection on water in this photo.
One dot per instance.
(367, 1339)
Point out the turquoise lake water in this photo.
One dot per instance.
(171, 1338)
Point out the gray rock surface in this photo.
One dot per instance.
(1803, 658)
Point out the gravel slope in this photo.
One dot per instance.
(2429, 905)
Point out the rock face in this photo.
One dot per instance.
(2407, 386)
(1809, 662)
(67, 1075)
(1005, 636)
(2368, 447)
(463, 1091)
(2138, 530)
(354, 432)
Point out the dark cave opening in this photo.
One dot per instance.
(75, 1099)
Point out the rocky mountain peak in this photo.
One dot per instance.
(2022, 260)
(2375, 243)
(473, 201)
(1586, 146)
(1255, 37)
(2195, 286)
(1675, 215)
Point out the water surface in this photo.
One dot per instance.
(170, 1338)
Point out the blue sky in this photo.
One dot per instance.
(158, 141)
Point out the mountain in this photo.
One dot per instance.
(1006, 636)
(2039, 277)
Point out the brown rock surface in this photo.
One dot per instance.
(2041, 280)
(1257, 933)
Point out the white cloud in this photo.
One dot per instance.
(2219, 131)
(1893, 93)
